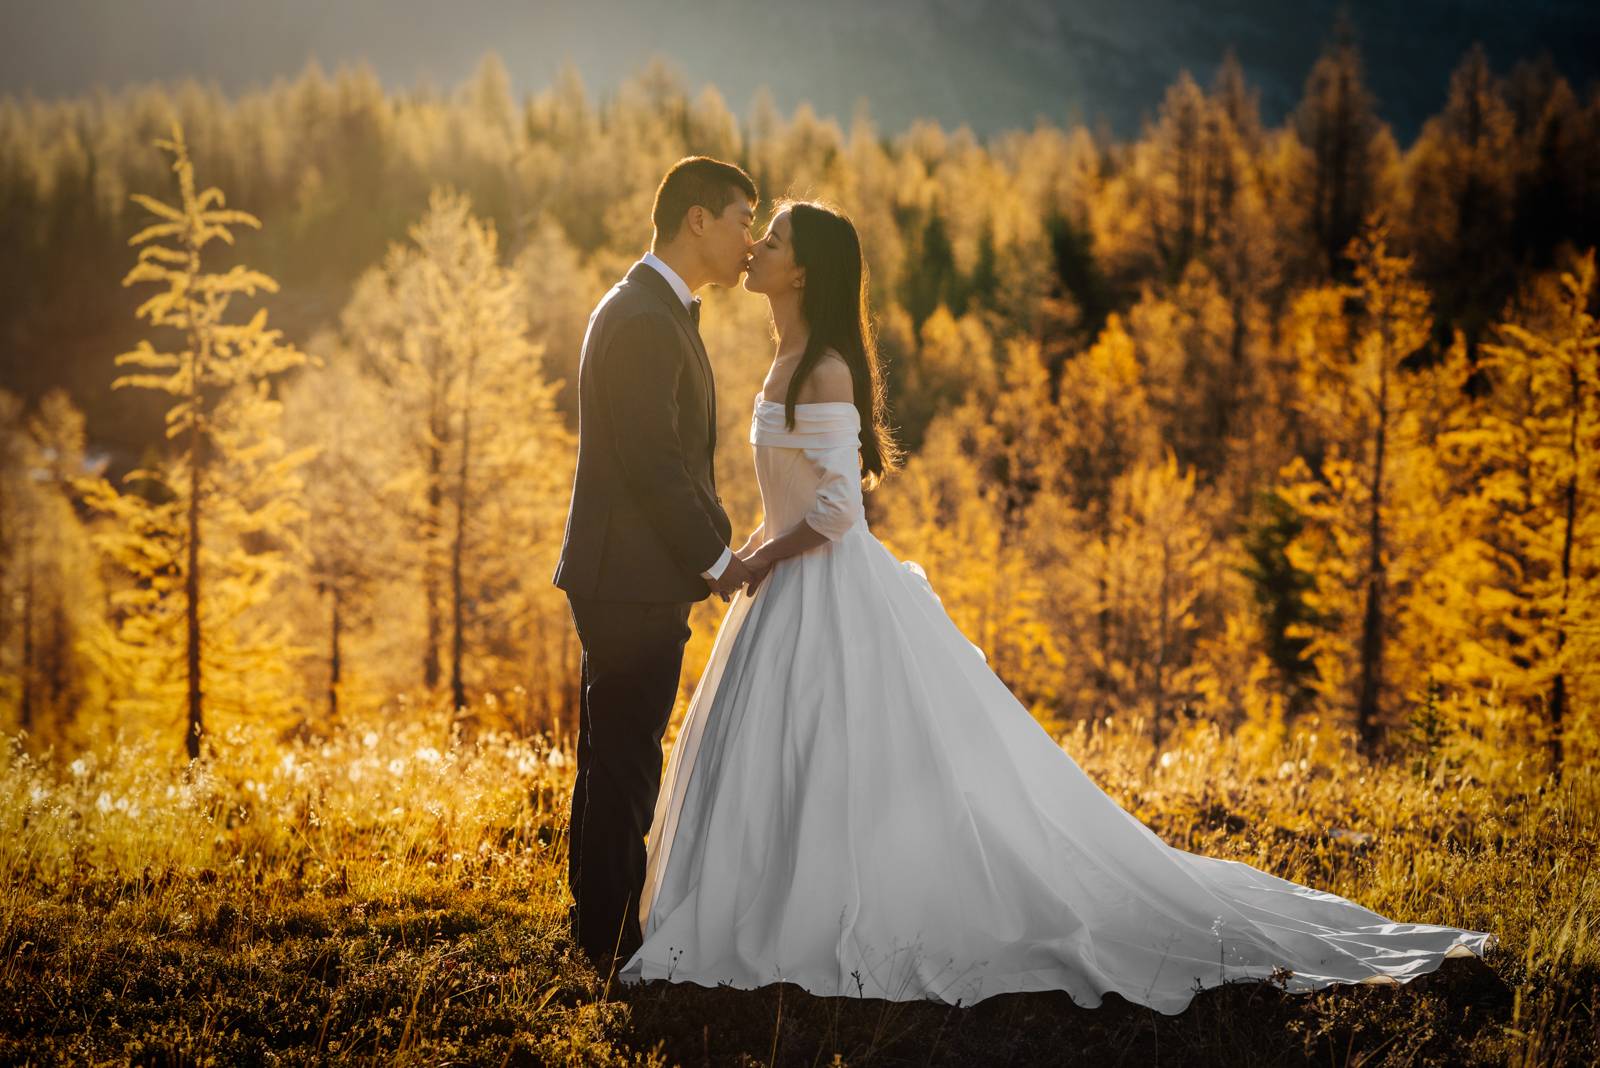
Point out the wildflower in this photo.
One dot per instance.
(556, 759)
(79, 767)
(397, 767)
(104, 803)
(370, 739)
(427, 755)
(355, 772)
(1168, 759)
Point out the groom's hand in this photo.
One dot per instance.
(735, 575)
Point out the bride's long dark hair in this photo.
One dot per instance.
(834, 303)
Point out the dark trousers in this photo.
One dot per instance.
(632, 656)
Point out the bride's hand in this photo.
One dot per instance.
(759, 565)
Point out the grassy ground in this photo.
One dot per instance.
(379, 896)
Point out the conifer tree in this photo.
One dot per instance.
(61, 593)
(1159, 554)
(1184, 338)
(1527, 460)
(1363, 501)
(481, 475)
(1107, 428)
(351, 542)
(1349, 152)
(1462, 193)
(210, 534)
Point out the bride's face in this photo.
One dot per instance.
(772, 267)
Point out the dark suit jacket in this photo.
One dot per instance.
(645, 518)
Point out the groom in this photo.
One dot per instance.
(646, 534)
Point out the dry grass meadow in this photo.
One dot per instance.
(387, 895)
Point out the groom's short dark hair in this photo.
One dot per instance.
(701, 180)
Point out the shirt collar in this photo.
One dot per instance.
(679, 286)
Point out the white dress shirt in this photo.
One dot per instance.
(680, 287)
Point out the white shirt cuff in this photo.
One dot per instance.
(715, 571)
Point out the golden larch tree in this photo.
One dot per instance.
(210, 533)
(1364, 498)
(1527, 457)
(484, 462)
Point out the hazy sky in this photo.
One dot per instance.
(992, 63)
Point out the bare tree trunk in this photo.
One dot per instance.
(1558, 694)
(458, 689)
(1161, 645)
(540, 682)
(191, 590)
(335, 657)
(430, 589)
(1372, 620)
(5, 557)
(58, 642)
(195, 731)
(25, 669)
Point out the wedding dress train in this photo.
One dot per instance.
(857, 805)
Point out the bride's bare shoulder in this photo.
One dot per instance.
(829, 380)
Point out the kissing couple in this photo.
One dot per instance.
(855, 803)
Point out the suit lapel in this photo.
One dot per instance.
(647, 276)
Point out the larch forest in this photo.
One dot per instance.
(1263, 463)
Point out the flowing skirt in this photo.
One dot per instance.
(857, 805)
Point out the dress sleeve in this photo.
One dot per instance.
(838, 506)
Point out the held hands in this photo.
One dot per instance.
(733, 576)
(760, 566)
(758, 562)
(748, 568)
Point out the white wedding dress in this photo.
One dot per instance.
(857, 805)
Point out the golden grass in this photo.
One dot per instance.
(385, 893)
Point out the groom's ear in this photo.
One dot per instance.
(695, 219)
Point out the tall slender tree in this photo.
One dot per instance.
(1526, 461)
(1375, 420)
(223, 512)
(1350, 151)
(484, 460)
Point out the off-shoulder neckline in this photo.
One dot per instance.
(761, 399)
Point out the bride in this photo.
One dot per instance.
(857, 805)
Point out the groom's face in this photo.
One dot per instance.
(727, 242)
